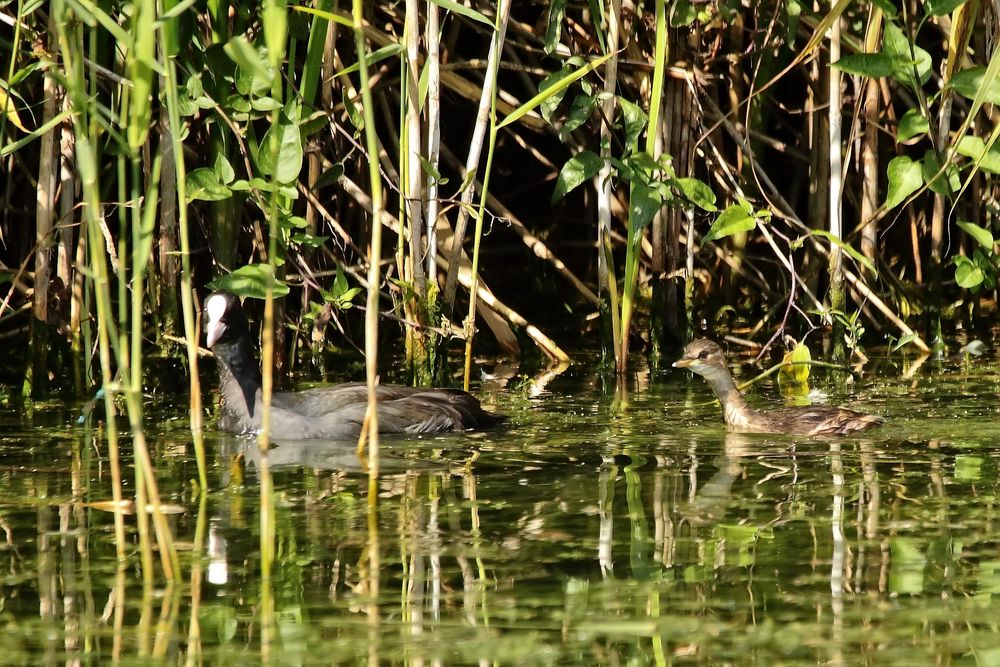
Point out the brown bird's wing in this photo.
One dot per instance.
(820, 420)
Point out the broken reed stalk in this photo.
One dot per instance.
(485, 296)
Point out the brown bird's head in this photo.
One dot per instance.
(705, 358)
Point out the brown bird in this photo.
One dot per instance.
(707, 359)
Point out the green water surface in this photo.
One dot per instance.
(595, 528)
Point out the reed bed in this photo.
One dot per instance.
(636, 173)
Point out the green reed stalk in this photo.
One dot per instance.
(87, 163)
(312, 68)
(374, 256)
(141, 476)
(142, 245)
(169, 47)
(402, 214)
(193, 653)
(371, 315)
(275, 22)
(14, 45)
(136, 112)
(70, 46)
(267, 527)
(633, 248)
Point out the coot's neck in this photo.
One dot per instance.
(239, 376)
(735, 408)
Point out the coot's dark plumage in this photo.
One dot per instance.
(705, 358)
(335, 412)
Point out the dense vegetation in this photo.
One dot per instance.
(711, 115)
(667, 166)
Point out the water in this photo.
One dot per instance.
(595, 529)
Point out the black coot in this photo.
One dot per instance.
(332, 413)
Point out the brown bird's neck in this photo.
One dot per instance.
(736, 410)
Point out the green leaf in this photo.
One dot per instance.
(968, 275)
(341, 294)
(635, 120)
(46, 127)
(459, 8)
(735, 219)
(871, 65)
(969, 82)
(353, 113)
(938, 183)
(330, 176)
(912, 124)
(549, 105)
(346, 21)
(224, 169)
(644, 202)
(795, 365)
(141, 60)
(982, 236)
(339, 284)
(579, 113)
(793, 14)
(543, 95)
(904, 179)
(858, 257)
(281, 152)
(888, 7)
(682, 14)
(942, 7)
(968, 468)
(578, 169)
(975, 148)
(698, 193)
(250, 281)
(387, 51)
(309, 240)
(344, 301)
(204, 184)
(237, 103)
(905, 340)
(245, 55)
(265, 104)
(23, 73)
(264, 185)
(430, 169)
(897, 47)
(553, 30)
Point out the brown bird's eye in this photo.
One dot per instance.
(703, 354)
